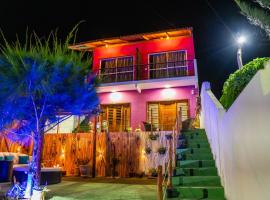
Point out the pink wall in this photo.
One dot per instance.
(145, 48)
(139, 101)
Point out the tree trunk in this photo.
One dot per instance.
(34, 173)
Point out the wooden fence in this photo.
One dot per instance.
(128, 149)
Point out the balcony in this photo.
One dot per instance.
(147, 72)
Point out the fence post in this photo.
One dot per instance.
(94, 148)
(159, 183)
(170, 171)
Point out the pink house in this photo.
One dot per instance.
(145, 78)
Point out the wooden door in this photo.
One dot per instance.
(167, 115)
(163, 115)
(117, 116)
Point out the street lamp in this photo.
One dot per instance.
(240, 40)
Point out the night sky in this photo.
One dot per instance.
(214, 26)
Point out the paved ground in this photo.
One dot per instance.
(103, 189)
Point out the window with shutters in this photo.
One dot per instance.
(163, 114)
(117, 116)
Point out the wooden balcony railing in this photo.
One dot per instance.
(148, 71)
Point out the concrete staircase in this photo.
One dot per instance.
(196, 176)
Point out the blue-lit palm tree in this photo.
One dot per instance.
(41, 83)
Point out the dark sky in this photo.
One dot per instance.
(213, 30)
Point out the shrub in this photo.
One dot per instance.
(237, 81)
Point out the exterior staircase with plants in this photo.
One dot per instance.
(195, 176)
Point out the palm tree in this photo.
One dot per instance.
(257, 11)
(41, 83)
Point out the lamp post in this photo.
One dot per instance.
(240, 40)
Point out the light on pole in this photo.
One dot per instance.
(240, 40)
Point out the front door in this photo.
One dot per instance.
(163, 114)
(167, 113)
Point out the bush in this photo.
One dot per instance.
(237, 81)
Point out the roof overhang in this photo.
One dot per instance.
(165, 34)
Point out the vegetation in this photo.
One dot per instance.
(42, 82)
(257, 12)
(238, 81)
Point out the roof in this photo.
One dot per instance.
(90, 45)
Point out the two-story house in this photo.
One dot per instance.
(145, 78)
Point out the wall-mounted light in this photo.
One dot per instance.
(143, 154)
(19, 150)
(115, 96)
(168, 93)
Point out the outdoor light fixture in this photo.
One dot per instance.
(168, 93)
(115, 96)
(240, 40)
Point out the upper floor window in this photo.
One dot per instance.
(116, 69)
(168, 64)
(117, 62)
(168, 59)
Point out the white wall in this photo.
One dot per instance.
(66, 126)
(240, 138)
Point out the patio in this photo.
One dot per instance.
(103, 189)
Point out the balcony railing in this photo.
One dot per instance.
(148, 71)
(117, 74)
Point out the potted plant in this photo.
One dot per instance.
(153, 172)
(153, 136)
(162, 150)
(148, 150)
(84, 167)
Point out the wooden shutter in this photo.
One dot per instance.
(118, 117)
(153, 114)
(184, 109)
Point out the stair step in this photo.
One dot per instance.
(196, 181)
(197, 156)
(214, 193)
(197, 145)
(206, 171)
(195, 163)
(194, 150)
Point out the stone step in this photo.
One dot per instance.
(195, 163)
(196, 156)
(211, 192)
(196, 181)
(195, 145)
(206, 171)
(194, 150)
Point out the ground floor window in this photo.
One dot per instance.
(163, 114)
(117, 116)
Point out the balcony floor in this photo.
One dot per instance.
(149, 84)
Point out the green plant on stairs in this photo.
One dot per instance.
(195, 176)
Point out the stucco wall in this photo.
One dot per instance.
(139, 101)
(240, 138)
(145, 48)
